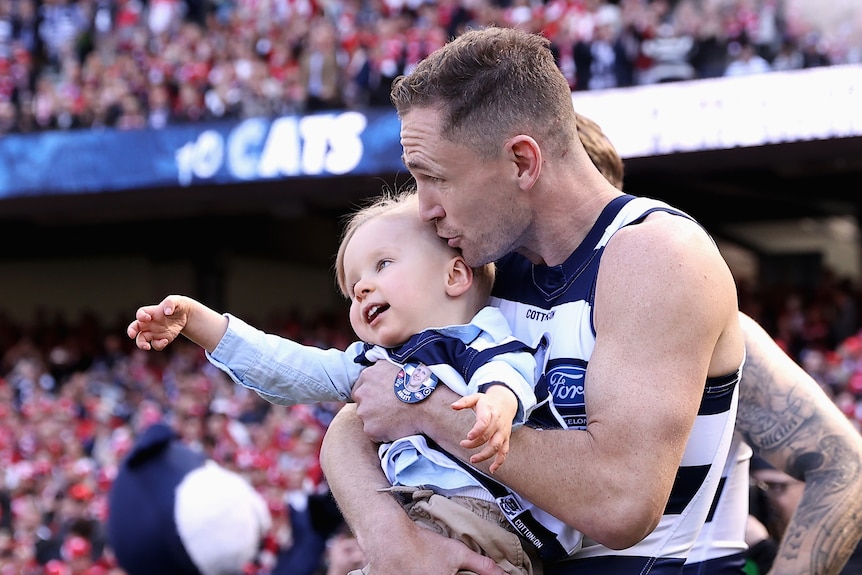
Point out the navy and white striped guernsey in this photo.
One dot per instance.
(552, 307)
(459, 361)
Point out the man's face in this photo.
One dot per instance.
(783, 494)
(419, 375)
(473, 201)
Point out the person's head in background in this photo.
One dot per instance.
(402, 278)
(600, 150)
(172, 509)
(777, 494)
(343, 553)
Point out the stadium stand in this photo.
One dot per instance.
(70, 64)
(74, 392)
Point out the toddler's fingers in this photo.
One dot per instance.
(486, 453)
(468, 401)
(143, 315)
(141, 342)
(499, 459)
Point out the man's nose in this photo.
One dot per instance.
(430, 210)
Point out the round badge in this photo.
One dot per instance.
(414, 382)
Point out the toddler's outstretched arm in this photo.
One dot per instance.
(156, 326)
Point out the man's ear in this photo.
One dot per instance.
(459, 277)
(527, 158)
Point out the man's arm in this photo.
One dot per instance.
(391, 541)
(789, 421)
(658, 326)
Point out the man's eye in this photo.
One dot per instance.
(427, 178)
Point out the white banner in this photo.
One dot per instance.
(722, 113)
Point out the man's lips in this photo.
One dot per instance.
(453, 241)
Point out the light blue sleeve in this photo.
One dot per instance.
(515, 370)
(282, 371)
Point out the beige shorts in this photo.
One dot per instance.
(477, 523)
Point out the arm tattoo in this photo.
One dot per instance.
(782, 418)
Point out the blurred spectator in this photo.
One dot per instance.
(709, 55)
(603, 62)
(744, 60)
(321, 68)
(844, 311)
(376, 64)
(159, 113)
(315, 522)
(788, 57)
(164, 14)
(814, 52)
(343, 554)
(61, 23)
(24, 26)
(189, 106)
(8, 117)
(669, 53)
(131, 115)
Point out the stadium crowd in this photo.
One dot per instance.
(73, 399)
(128, 64)
(74, 396)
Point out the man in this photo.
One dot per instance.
(783, 415)
(786, 417)
(638, 352)
(789, 421)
